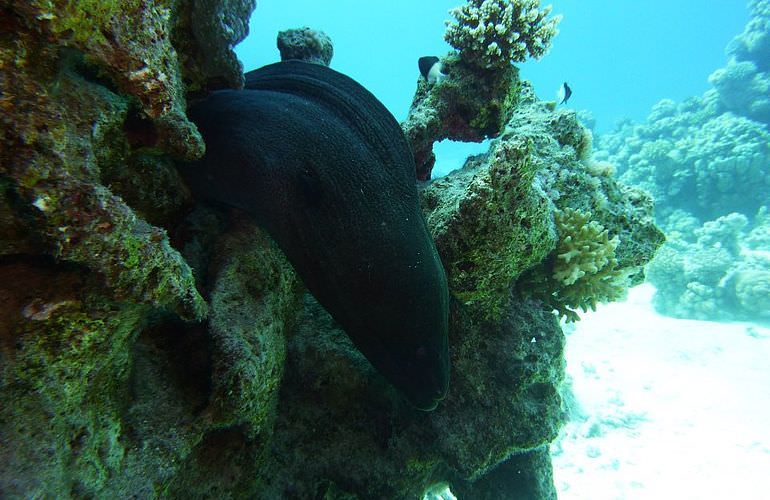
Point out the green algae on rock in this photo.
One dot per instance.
(490, 224)
(253, 296)
(56, 125)
(494, 219)
(468, 105)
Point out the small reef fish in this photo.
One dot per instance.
(431, 69)
(563, 94)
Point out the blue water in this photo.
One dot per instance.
(619, 56)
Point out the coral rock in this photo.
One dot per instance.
(307, 45)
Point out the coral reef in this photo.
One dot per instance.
(709, 155)
(710, 271)
(305, 44)
(122, 382)
(695, 159)
(494, 33)
(744, 84)
(707, 163)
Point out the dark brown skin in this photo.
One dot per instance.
(321, 164)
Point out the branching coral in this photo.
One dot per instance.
(585, 247)
(492, 33)
(582, 271)
(586, 267)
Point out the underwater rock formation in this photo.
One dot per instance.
(117, 385)
(480, 90)
(469, 105)
(494, 218)
(305, 44)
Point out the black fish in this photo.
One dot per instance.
(431, 69)
(563, 94)
(322, 165)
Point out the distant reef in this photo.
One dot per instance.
(707, 163)
(155, 347)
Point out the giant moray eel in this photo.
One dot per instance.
(320, 163)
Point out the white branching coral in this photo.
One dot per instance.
(493, 33)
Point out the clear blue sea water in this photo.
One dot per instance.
(619, 56)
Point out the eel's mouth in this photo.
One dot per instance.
(433, 405)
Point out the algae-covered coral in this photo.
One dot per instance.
(116, 386)
(497, 217)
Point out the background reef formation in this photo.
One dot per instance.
(707, 163)
(120, 388)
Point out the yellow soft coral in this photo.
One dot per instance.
(585, 248)
(582, 270)
(585, 265)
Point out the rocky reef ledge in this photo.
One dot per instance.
(154, 347)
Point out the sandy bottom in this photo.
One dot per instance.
(666, 408)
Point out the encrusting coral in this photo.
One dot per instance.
(494, 33)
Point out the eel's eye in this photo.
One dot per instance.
(421, 352)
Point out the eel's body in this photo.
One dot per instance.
(322, 165)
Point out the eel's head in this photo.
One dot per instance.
(420, 370)
(404, 336)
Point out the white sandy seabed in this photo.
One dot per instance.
(666, 408)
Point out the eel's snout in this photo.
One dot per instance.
(420, 370)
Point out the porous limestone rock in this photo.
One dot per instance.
(306, 44)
